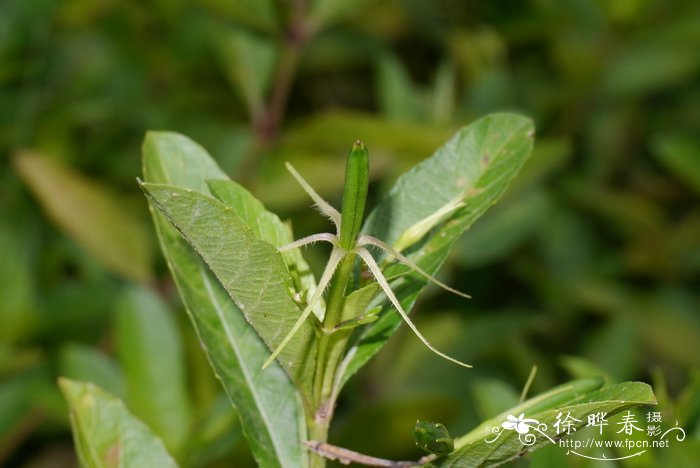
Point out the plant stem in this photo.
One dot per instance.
(330, 347)
(296, 36)
(267, 121)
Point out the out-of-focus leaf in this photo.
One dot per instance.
(77, 362)
(549, 155)
(578, 398)
(503, 229)
(16, 284)
(18, 394)
(325, 12)
(249, 61)
(681, 156)
(399, 100)
(258, 13)
(234, 349)
(317, 147)
(444, 93)
(492, 397)
(106, 434)
(384, 428)
(89, 214)
(150, 351)
(647, 66)
(218, 432)
(582, 368)
(331, 131)
(478, 162)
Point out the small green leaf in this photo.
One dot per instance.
(86, 364)
(235, 350)
(356, 302)
(575, 398)
(679, 154)
(399, 100)
(249, 60)
(150, 351)
(106, 434)
(433, 438)
(370, 316)
(91, 215)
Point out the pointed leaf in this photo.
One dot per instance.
(90, 215)
(478, 162)
(268, 404)
(150, 351)
(474, 450)
(252, 271)
(78, 362)
(249, 60)
(106, 434)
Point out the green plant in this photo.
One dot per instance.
(249, 292)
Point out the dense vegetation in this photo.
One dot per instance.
(590, 265)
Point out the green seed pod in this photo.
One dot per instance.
(354, 195)
(433, 438)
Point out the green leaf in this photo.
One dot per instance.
(577, 398)
(325, 12)
(679, 154)
(433, 438)
(267, 226)
(503, 229)
(149, 348)
(399, 100)
(257, 13)
(106, 434)
(249, 61)
(87, 364)
(17, 279)
(478, 162)
(235, 350)
(91, 215)
(252, 271)
(357, 302)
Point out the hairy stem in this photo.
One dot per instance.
(330, 347)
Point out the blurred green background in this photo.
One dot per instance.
(589, 265)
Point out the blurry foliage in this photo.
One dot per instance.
(591, 263)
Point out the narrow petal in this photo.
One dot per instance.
(336, 255)
(377, 272)
(325, 207)
(324, 236)
(369, 240)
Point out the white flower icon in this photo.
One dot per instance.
(519, 424)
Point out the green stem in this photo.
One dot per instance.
(330, 347)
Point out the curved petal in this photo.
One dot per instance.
(522, 428)
(509, 425)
